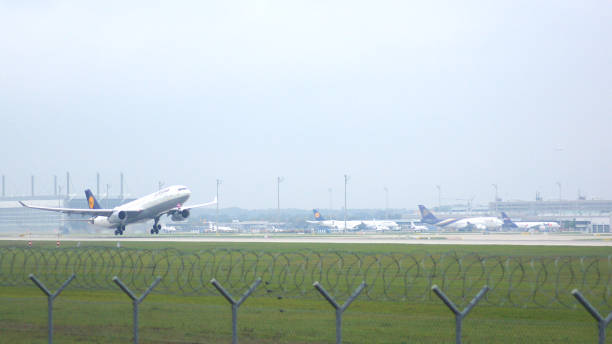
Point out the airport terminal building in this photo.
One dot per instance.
(562, 207)
(583, 215)
(17, 219)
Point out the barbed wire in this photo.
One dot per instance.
(516, 281)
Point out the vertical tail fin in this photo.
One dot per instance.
(508, 223)
(427, 216)
(317, 215)
(91, 200)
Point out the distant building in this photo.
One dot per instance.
(15, 218)
(562, 207)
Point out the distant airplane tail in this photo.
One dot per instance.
(91, 200)
(317, 215)
(508, 223)
(427, 216)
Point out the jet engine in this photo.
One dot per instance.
(118, 217)
(180, 215)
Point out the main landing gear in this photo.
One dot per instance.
(156, 226)
(120, 230)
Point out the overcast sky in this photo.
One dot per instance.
(407, 95)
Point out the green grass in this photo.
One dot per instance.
(105, 316)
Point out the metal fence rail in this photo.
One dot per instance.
(523, 281)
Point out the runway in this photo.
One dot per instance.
(523, 239)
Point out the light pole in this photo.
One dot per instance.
(496, 198)
(217, 212)
(278, 181)
(107, 195)
(439, 197)
(386, 202)
(331, 203)
(560, 205)
(346, 179)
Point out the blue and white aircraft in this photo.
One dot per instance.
(530, 225)
(460, 224)
(168, 201)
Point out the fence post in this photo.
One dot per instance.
(136, 300)
(235, 304)
(50, 297)
(602, 322)
(339, 309)
(459, 315)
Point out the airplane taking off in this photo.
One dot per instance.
(383, 225)
(168, 201)
(480, 223)
(540, 225)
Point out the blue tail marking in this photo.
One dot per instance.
(508, 223)
(427, 216)
(92, 203)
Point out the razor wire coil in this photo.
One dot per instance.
(520, 281)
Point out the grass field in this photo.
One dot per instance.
(105, 316)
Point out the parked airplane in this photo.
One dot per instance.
(540, 225)
(417, 228)
(214, 228)
(460, 224)
(168, 201)
(382, 225)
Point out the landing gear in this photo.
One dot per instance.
(119, 230)
(156, 226)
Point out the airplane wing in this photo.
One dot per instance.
(181, 208)
(90, 212)
(214, 201)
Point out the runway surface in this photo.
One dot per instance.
(543, 239)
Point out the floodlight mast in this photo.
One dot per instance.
(217, 212)
(346, 179)
(496, 197)
(278, 181)
(386, 202)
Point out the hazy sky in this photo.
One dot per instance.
(401, 94)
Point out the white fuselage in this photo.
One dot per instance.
(480, 223)
(418, 228)
(541, 225)
(148, 207)
(353, 224)
(384, 225)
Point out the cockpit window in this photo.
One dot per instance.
(181, 189)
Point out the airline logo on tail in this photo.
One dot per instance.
(91, 200)
(427, 216)
(317, 215)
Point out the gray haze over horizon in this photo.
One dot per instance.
(395, 94)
